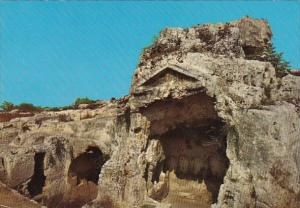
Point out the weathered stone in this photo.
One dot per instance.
(202, 127)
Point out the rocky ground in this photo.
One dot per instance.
(208, 123)
(11, 198)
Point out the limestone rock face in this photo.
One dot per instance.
(38, 161)
(204, 126)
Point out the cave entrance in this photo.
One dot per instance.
(83, 176)
(37, 182)
(87, 166)
(192, 143)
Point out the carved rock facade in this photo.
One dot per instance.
(202, 127)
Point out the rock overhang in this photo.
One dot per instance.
(207, 75)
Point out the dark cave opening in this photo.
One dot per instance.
(87, 165)
(193, 142)
(196, 154)
(83, 177)
(37, 182)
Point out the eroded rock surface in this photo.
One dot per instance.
(207, 123)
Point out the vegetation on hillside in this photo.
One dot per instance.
(28, 107)
(24, 107)
(84, 100)
(270, 54)
(7, 106)
(276, 59)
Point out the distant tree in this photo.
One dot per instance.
(7, 106)
(84, 100)
(276, 59)
(28, 107)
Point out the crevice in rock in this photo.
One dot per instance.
(193, 142)
(37, 182)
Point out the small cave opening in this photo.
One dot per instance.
(37, 182)
(251, 52)
(83, 177)
(192, 140)
(87, 166)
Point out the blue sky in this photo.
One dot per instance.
(53, 52)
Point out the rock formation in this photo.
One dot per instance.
(207, 123)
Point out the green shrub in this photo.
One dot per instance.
(51, 108)
(68, 107)
(28, 107)
(7, 106)
(84, 100)
(25, 107)
(276, 59)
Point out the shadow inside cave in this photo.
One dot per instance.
(193, 140)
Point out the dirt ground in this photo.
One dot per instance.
(11, 199)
